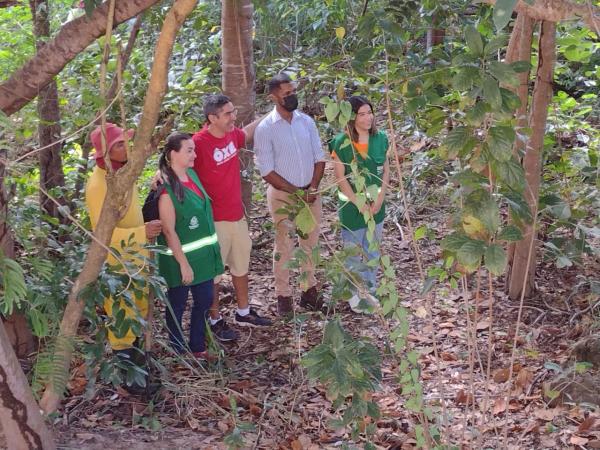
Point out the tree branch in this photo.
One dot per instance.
(25, 84)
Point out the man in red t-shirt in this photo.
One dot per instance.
(218, 167)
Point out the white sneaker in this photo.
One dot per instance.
(355, 306)
(373, 301)
(353, 302)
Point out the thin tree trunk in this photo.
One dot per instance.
(118, 186)
(521, 278)
(51, 172)
(22, 424)
(435, 35)
(238, 74)
(519, 49)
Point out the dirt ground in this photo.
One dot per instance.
(261, 370)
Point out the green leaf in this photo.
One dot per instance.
(474, 41)
(331, 111)
(502, 12)
(457, 137)
(503, 73)
(470, 253)
(495, 259)
(518, 207)
(469, 178)
(510, 173)
(510, 100)
(491, 91)
(496, 43)
(476, 114)
(453, 242)
(305, 220)
(420, 232)
(521, 66)
(510, 233)
(465, 77)
(482, 205)
(500, 141)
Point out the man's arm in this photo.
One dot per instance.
(251, 127)
(279, 183)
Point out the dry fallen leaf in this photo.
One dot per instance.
(447, 356)
(463, 398)
(524, 378)
(421, 312)
(546, 414)
(222, 426)
(501, 375)
(586, 425)
(578, 440)
(482, 325)
(593, 444)
(499, 406)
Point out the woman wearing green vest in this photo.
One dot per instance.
(193, 257)
(367, 146)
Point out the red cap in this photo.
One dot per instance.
(114, 134)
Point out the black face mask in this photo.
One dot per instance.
(290, 103)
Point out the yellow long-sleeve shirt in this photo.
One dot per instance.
(131, 225)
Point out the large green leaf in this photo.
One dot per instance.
(521, 66)
(457, 138)
(305, 220)
(510, 100)
(496, 43)
(476, 114)
(491, 91)
(510, 173)
(518, 206)
(495, 259)
(503, 73)
(465, 77)
(482, 205)
(453, 242)
(500, 141)
(502, 12)
(470, 253)
(510, 233)
(469, 178)
(474, 41)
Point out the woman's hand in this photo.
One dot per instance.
(153, 229)
(187, 274)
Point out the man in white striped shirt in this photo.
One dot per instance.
(290, 157)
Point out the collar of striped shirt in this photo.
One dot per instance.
(276, 117)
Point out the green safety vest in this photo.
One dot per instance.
(371, 167)
(195, 228)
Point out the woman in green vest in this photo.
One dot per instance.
(193, 257)
(367, 146)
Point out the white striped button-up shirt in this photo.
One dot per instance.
(289, 149)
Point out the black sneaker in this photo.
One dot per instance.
(222, 331)
(252, 320)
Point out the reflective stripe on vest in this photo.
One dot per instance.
(194, 245)
(344, 198)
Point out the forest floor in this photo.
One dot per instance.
(262, 372)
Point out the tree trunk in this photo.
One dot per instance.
(522, 277)
(74, 37)
(238, 75)
(51, 172)
(519, 49)
(435, 35)
(119, 185)
(22, 424)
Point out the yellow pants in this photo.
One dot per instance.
(127, 341)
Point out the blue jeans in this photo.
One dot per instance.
(358, 238)
(202, 294)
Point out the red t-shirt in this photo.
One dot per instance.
(190, 185)
(218, 166)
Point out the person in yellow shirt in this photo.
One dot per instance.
(131, 228)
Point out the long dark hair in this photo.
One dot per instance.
(357, 102)
(173, 144)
